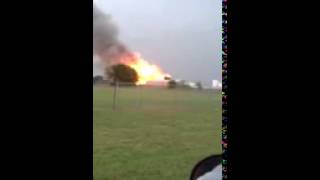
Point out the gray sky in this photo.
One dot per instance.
(181, 36)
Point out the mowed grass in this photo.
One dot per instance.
(154, 134)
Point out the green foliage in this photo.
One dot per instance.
(97, 79)
(172, 84)
(123, 73)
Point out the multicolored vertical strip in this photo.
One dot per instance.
(224, 89)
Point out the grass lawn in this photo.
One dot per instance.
(154, 134)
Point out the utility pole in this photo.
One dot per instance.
(115, 94)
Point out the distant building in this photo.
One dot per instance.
(179, 84)
(216, 84)
(192, 85)
(186, 84)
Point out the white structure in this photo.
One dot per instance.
(216, 84)
(192, 85)
(189, 84)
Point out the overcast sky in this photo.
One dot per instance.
(181, 36)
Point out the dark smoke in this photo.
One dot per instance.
(105, 38)
(105, 33)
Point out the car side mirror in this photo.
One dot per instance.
(208, 168)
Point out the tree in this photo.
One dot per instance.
(97, 79)
(122, 73)
(172, 84)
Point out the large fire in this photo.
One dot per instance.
(145, 70)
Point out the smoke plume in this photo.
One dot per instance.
(105, 38)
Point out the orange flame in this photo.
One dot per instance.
(145, 70)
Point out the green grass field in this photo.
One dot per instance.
(154, 134)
